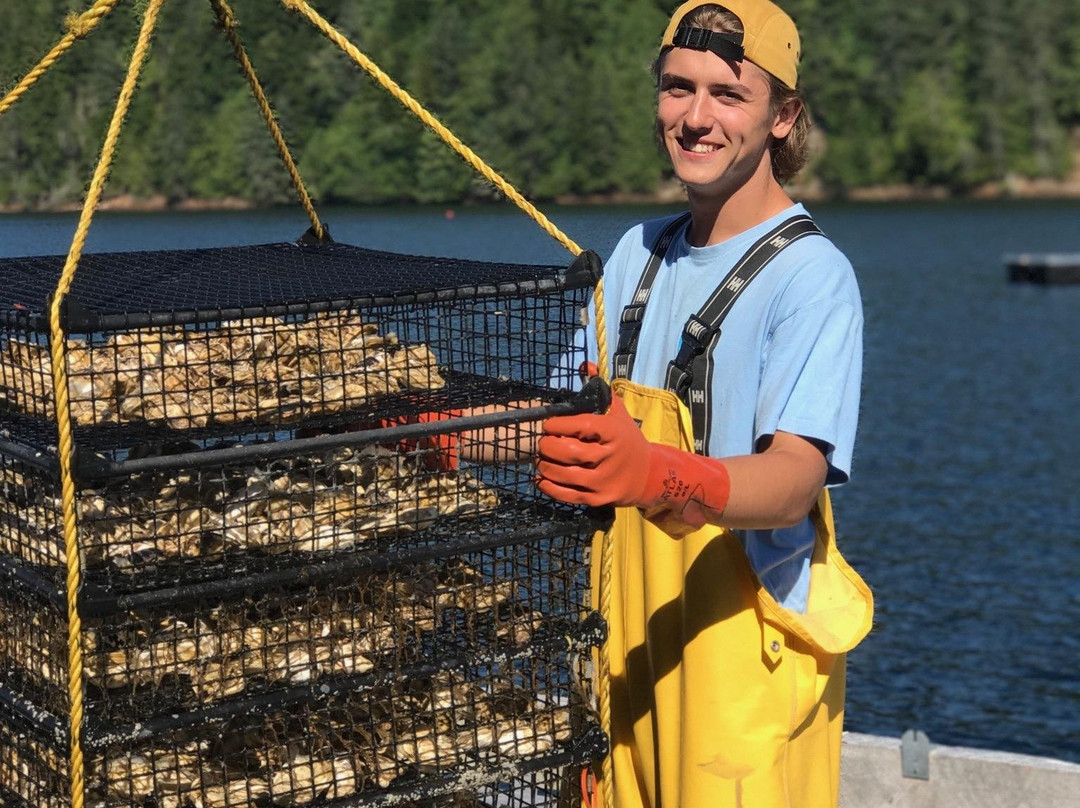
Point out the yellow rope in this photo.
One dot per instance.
(228, 25)
(63, 414)
(604, 674)
(431, 122)
(603, 685)
(601, 332)
(78, 26)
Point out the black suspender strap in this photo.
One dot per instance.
(690, 374)
(630, 322)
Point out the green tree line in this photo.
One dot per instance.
(555, 94)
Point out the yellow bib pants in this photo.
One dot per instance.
(719, 696)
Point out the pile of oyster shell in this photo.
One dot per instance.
(428, 724)
(29, 515)
(296, 758)
(35, 770)
(277, 369)
(221, 651)
(294, 505)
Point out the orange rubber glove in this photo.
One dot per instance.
(436, 452)
(604, 459)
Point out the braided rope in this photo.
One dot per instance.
(78, 26)
(601, 332)
(228, 26)
(431, 122)
(63, 414)
(603, 686)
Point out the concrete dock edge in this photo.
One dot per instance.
(871, 777)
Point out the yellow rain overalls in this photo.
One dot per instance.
(720, 696)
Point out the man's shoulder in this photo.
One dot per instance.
(815, 269)
(820, 253)
(815, 257)
(816, 247)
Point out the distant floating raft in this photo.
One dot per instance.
(1043, 268)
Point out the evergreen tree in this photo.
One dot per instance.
(557, 95)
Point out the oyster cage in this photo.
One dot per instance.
(313, 570)
(175, 514)
(278, 334)
(287, 400)
(157, 653)
(404, 683)
(476, 738)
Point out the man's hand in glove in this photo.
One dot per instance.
(604, 459)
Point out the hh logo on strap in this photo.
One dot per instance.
(779, 242)
(696, 330)
(697, 396)
(736, 283)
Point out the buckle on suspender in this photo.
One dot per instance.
(632, 313)
(627, 342)
(696, 337)
(679, 380)
(631, 327)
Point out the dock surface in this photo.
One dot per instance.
(871, 776)
(1044, 268)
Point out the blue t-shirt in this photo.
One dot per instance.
(789, 358)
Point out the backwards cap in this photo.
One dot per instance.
(769, 40)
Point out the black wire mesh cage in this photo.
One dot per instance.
(478, 737)
(276, 399)
(278, 334)
(159, 652)
(180, 512)
(298, 585)
(413, 677)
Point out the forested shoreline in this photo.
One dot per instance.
(556, 95)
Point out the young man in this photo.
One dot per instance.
(736, 399)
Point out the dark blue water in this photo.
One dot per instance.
(963, 513)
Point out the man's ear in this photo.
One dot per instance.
(786, 117)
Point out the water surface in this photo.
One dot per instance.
(963, 511)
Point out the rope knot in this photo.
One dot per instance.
(79, 25)
(226, 19)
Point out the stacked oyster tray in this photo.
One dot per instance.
(313, 571)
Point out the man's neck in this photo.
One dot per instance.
(716, 218)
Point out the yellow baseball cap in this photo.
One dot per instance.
(770, 39)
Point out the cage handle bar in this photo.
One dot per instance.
(595, 396)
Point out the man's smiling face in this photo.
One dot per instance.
(714, 118)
